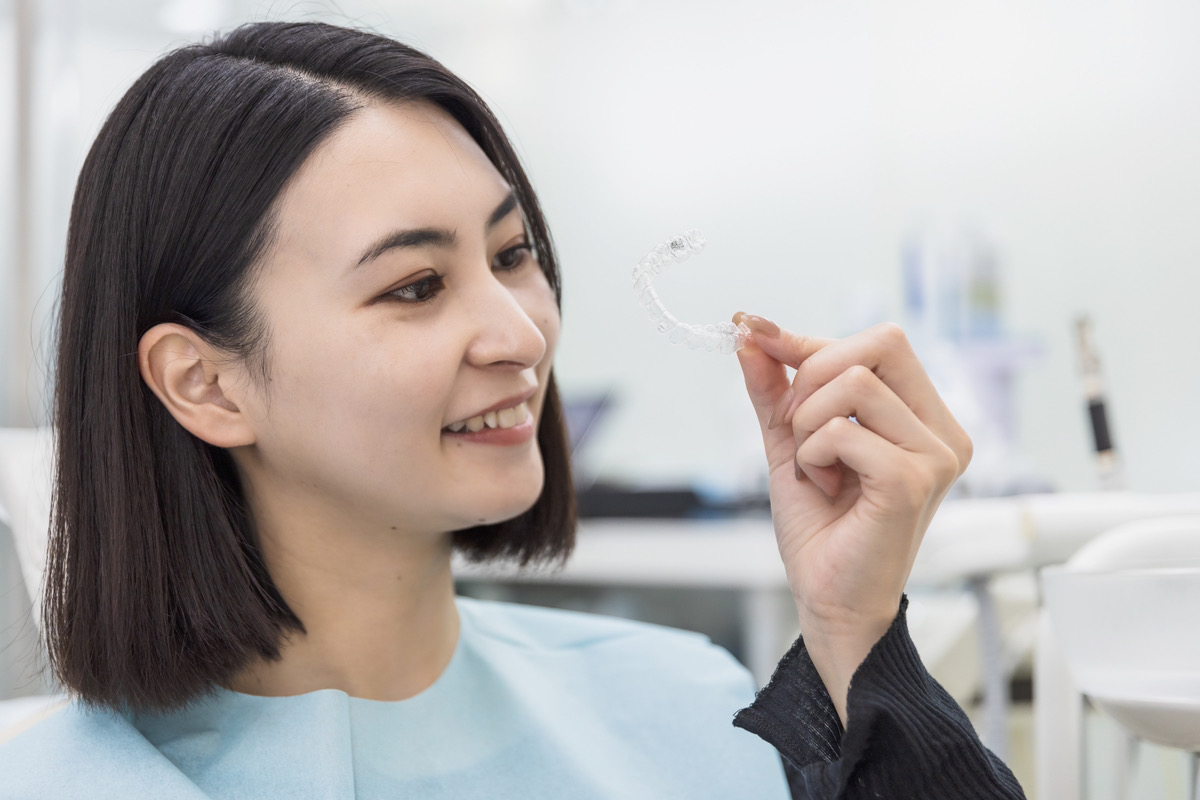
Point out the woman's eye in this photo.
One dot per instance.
(421, 291)
(513, 258)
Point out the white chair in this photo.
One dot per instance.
(1123, 613)
(26, 474)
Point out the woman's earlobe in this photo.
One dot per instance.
(191, 382)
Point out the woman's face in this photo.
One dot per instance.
(401, 298)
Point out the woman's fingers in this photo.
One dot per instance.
(782, 345)
(873, 376)
(840, 440)
(860, 393)
(897, 479)
(767, 379)
(885, 350)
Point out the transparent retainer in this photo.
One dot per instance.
(723, 337)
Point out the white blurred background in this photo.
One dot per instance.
(810, 141)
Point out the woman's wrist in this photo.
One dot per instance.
(838, 647)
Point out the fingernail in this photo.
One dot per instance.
(799, 472)
(760, 325)
(781, 409)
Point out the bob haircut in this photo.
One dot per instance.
(156, 590)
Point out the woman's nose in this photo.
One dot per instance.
(503, 330)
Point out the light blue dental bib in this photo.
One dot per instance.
(535, 704)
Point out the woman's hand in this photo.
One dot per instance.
(850, 501)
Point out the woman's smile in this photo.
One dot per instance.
(506, 422)
(507, 427)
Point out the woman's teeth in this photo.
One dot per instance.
(504, 418)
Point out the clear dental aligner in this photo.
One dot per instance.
(724, 337)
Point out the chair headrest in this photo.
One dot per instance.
(26, 481)
(1145, 544)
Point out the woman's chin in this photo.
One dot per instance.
(504, 508)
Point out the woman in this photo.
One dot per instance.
(309, 311)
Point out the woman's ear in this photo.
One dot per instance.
(194, 384)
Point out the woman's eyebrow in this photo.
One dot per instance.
(503, 210)
(414, 237)
(432, 237)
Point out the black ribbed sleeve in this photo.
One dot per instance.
(905, 736)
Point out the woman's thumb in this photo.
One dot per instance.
(766, 377)
(779, 343)
(765, 359)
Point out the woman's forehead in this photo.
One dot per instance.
(389, 165)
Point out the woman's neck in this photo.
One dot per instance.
(379, 614)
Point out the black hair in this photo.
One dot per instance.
(156, 589)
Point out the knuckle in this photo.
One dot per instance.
(928, 478)
(859, 377)
(964, 452)
(891, 334)
(947, 468)
(839, 427)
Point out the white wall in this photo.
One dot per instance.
(807, 140)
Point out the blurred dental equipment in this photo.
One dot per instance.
(952, 276)
(724, 337)
(1107, 464)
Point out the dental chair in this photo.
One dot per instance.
(26, 471)
(1118, 628)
